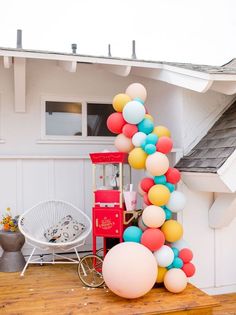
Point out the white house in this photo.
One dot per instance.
(45, 156)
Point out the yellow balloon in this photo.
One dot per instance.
(149, 117)
(161, 131)
(172, 230)
(137, 158)
(159, 195)
(119, 101)
(161, 274)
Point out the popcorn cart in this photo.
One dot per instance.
(111, 176)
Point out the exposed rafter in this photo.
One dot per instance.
(19, 84)
(7, 62)
(122, 71)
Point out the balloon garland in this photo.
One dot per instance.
(147, 146)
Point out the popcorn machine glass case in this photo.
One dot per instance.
(111, 175)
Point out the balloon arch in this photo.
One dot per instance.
(154, 251)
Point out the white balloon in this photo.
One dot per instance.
(133, 112)
(164, 256)
(138, 138)
(177, 201)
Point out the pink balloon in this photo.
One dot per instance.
(175, 280)
(164, 145)
(129, 270)
(123, 144)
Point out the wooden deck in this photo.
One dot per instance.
(56, 289)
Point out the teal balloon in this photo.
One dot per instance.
(176, 251)
(151, 138)
(146, 126)
(177, 262)
(138, 99)
(150, 148)
(132, 234)
(143, 144)
(168, 213)
(170, 186)
(160, 180)
(170, 267)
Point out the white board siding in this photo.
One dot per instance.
(27, 181)
(225, 255)
(199, 236)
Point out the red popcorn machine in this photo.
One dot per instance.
(111, 176)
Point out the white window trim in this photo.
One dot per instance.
(84, 139)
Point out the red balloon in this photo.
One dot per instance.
(186, 255)
(129, 130)
(173, 175)
(153, 239)
(189, 269)
(115, 122)
(146, 183)
(164, 145)
(146, 200)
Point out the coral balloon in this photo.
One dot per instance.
(172, 230)
(161, 131)
(129, 130)
(164, 145)
(177, 201)
(136, 90)
(175, 280)
(140, 191)
(164, 256)
(129, 270)
(189, 269)
(159, 195)
(157, 164)
(186, 255)
(123, 144)
(146, 200)
(119, 101)
(133, 112)
(153, 217)
(161, 274)
(137, 158)
(115, 122)
(146, 183)
(153, 239)
(173, 175)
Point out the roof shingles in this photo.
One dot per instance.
(215, 148)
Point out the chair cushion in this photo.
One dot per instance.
(66, 230)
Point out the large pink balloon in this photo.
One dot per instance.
(129, 270)
(157, 164)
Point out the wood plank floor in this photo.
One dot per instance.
(56, 289)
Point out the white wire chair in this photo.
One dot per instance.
(34, 222)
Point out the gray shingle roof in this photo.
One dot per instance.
(228, 68)
(215, 148)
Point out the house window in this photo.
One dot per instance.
(97, 115)
(63, 119)
(76, 119)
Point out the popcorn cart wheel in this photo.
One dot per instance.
(90, 271)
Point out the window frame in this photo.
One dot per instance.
(72, 139)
